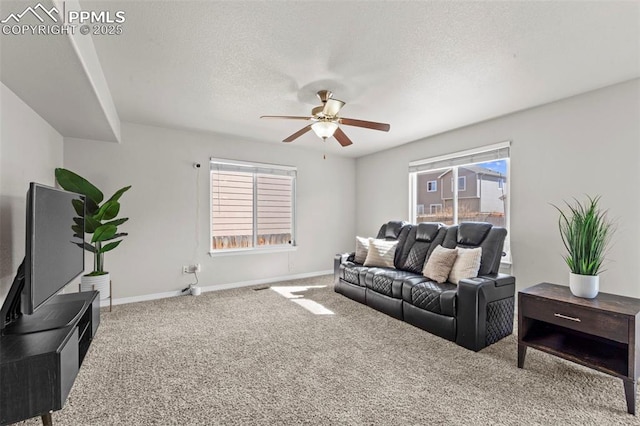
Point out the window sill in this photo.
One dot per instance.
(243, 251)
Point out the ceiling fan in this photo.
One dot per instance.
(326, 122)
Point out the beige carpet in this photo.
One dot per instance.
(253, 357)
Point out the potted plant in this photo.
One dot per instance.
(586, 233)
(100, 223)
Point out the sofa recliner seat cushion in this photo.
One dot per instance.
(438, 298)
(387, 281)
(350, 272)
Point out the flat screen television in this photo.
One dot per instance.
(54, 254)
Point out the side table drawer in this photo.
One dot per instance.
(597, 323)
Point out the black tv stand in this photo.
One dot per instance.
(50, 316)
(38, 363)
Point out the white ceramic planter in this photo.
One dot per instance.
(586, 286)
(98, 282)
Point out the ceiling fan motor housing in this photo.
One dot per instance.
(324, 95)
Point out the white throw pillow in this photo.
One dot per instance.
(439, 264)
(467, 264)
(381, 253)
(362, 248)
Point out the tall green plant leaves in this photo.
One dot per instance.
(75, 183)
(103, 233)
(118, 193)
(87, 247)
(91, 224)
(110, 246)
(117, 222)
(99, 220)
(78, 206)
(586, 232)
(108, 211)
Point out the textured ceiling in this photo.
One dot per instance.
(423, 67)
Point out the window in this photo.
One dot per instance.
(432, 186)
(462, 184)
(479, 187)
(252, 205)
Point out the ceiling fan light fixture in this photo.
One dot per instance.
(326, 123)
(324, 129)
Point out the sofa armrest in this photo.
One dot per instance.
(338, 260)
(473, 296)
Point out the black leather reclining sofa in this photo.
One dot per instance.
(475, 313)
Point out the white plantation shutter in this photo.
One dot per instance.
(232, 205)
(252, 204)
(275, 204)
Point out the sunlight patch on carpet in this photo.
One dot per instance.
(313, 307)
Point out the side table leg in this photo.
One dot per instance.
(46, 420)
(522, 353)
(630, 388)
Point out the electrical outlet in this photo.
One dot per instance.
(191, 269)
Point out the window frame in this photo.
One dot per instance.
(435, 185)
(255, 169)
(459, 159)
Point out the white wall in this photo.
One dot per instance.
(30, 150)
(169, 220)
(587, 144)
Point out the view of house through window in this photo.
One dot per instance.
(482, 194)
(470, 187)
(252, 205)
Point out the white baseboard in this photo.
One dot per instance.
(227, 286)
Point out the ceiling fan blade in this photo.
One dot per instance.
(366, 124)
(341, 137)
(297, 134)
(332, 107)
(289, 117)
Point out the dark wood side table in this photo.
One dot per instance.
(601, 333)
